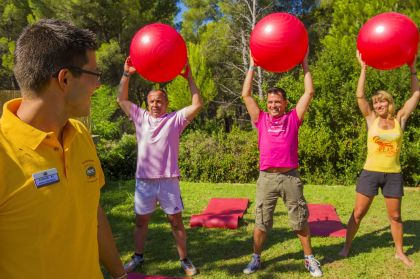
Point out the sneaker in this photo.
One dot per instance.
(253, 265)
(188, 267)
(136, 260)
(313, 266)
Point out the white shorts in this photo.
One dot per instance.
(163, 190)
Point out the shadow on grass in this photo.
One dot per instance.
(209, 247)
(366, 243)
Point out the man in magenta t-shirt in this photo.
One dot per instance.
(278, 145)
(157, 174)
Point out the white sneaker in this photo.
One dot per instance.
(188, 267)
(253, 265)
(135, 261)
(313, 266)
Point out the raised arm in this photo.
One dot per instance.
(108, 253)
(363, 103)
(304, 101)
(411, 104)
(122, 97)
(196, 100)
(250, 103)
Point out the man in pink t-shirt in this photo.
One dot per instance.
(157, 174)
(278, 145)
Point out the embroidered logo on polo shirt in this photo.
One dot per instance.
(91, 171)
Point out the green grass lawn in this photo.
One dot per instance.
(220, 253)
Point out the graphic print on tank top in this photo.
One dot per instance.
(386, 144)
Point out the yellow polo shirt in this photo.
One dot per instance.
(49, 196)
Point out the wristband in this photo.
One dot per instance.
(126, 74)
(252, 68)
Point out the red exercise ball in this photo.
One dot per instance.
(278, 42)
(158, 52)
(388, 41)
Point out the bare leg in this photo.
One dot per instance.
(140, 232)
(259, 238)
(178, 231)
(305, 240)
(393, 206)
(361, 207)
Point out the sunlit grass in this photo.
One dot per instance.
(222, 253)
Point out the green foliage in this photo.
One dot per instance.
(199, 12)
(336, 73)
(7, 49)
(110, 58)
(104, 106)
(118, 157)
(333, 136)
(117, 149)
(219, 157)
(178, 90)
(12, 21)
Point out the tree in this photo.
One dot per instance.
(198, 13)
(334, 113)
(178, 91)
(12, 20)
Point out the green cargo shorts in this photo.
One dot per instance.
(288, 186)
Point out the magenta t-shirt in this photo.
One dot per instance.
(278, 140)
(157, 142)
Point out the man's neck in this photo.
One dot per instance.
(44, 114)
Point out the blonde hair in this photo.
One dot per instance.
(383, 95)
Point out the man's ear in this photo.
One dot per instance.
(63, 78)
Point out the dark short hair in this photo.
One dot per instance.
(277, 91)
(48, 46)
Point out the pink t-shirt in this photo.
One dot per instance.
(278, 140)
(157, 142)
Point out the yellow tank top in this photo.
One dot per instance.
(384, 148)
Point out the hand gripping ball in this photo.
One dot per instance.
(158, 52)
(388, 41)
(279, 42)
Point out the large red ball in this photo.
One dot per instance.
(279, 42)
(158, 52)
(388, 41)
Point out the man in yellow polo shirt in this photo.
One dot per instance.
(51, 224)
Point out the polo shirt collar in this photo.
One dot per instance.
(22, 133)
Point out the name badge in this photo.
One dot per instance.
(46, 177)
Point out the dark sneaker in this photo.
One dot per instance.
(136, 260)
(188, 267)
(253, 265)
(313, 266)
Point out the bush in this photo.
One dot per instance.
(325, 156)
(219, 157)
(118, 157)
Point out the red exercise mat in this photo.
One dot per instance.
(141, 276)
(324, 221)
(221, 213)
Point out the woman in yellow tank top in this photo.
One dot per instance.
(382, 168)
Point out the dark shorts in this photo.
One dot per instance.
(391, 184)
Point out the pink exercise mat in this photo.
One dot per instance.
(221, 213)
(324, 221)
